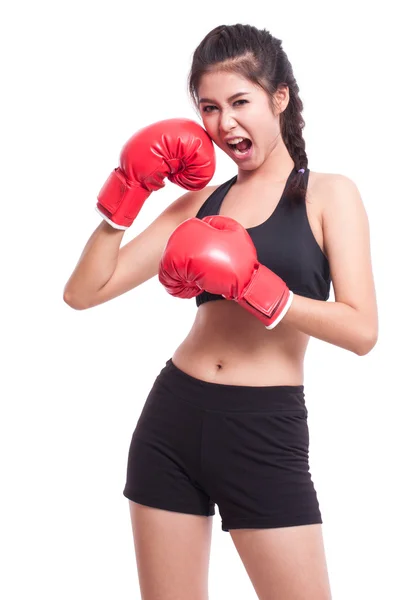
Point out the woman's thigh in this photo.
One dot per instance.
(285, 563)
(172, 553)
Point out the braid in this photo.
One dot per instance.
(292, 125)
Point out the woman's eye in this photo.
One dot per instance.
(210, 107)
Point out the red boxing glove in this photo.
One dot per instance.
(218, 255)
(179, 149)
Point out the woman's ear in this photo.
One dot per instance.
(281, 99)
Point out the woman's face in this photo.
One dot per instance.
(232, 108)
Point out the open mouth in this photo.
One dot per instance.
(241, 146)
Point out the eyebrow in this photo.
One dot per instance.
(229, 99)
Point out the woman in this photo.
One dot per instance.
(226, 422)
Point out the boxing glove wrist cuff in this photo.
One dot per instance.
(119, 200)
(267, 297)
(105, 218)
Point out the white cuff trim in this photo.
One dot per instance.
(283, 313)
(115, 225)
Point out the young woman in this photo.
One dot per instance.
(226, 421)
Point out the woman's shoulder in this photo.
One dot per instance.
(323, 182)
(326, 180)
(325, 188)
(335, 198)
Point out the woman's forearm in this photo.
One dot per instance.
(96, 264)
(333, 322)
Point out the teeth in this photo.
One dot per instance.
(236, 140)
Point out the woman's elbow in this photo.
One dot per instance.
(366, 342)
(74, 301)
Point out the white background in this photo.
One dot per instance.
(78, 79)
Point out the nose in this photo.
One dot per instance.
(227, 121)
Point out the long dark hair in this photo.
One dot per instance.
(258, 56)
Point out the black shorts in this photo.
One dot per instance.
(197, 444)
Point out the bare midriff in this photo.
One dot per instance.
(228, 345)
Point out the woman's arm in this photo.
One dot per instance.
(95, 267)
(105, 271)
(350, 322)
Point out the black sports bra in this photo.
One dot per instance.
(284, 243)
